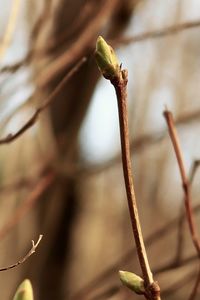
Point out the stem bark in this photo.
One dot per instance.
(120, 85)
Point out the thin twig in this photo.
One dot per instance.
(185, 182)
(10, 27)
(187, 191)
(32, 53)
(174, 29)
(23, 259)
(196, 286)
(158, 33)
(32, 120)
(180, 236)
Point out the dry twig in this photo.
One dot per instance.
(185, 182)
(180, 238)
(174, 29)
(28, 124)
(23, 259)
(154, 34)
(196, 286)
(187, 191)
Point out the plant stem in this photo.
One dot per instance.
(120, 85)
(185, 182)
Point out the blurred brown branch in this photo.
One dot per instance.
(23, 259)
(78, 48)
(154, 34)
(28, 124)
(174, 29)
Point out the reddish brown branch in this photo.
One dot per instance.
(109, 67)
(23, 259)
(196, 286)
(185, 182)
(180, 236)
(152, 290)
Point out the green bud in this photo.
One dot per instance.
(132, 281)
(24, 291)
(106, 59)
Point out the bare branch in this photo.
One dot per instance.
(154, 34)
(11, 137)
(179, 248)
(185, 182)
(187, 191)
(196, 286)
(23, 259)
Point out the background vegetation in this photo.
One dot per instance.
(60, 169)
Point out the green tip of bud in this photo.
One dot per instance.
(132, 281)
(106, 59)
(24, 291)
